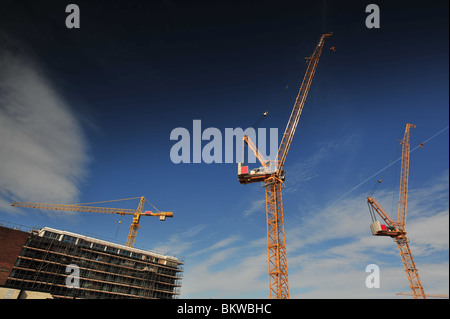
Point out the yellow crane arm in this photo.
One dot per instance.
(92, 209)
(137, 213)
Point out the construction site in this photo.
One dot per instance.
(53, 263)
(108, 270)
(38, 261)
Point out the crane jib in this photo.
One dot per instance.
(273, 179)
(136, 213)
(299, 103)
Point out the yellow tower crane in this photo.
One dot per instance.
(273, 176)
(137, 213)
(396, 229)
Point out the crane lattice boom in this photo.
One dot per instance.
(404, 177)
(300, 102)
(396, 229)
(272, 175)
(137, 213)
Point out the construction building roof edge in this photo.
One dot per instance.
(108, 243)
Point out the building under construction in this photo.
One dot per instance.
(69, 265)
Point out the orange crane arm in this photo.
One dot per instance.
(299, 102)
(404, 176)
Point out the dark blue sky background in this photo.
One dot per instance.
(136, 70)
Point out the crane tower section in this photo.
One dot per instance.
(396, 229)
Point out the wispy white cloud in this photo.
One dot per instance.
(180, 243)
(217, 246)
(258, 205)
(328, 252)
(308, 167)
(238, 271)
(43, 153)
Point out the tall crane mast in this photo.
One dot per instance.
(396, 229)
(273, 176)
(136, 213)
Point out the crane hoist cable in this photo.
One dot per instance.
(368, 179)
(383, 172)
(107, 201)
(265, 113)
(391, 162)
(260, 119)
(299, 78)
(118, 200)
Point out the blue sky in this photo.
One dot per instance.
(86, 116)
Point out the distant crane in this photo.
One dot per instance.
(273, 175)
(396, 229)
(137, 213)
(428, 295)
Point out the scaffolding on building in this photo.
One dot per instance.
(105, 270)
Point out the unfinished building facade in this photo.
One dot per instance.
(69, 265)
